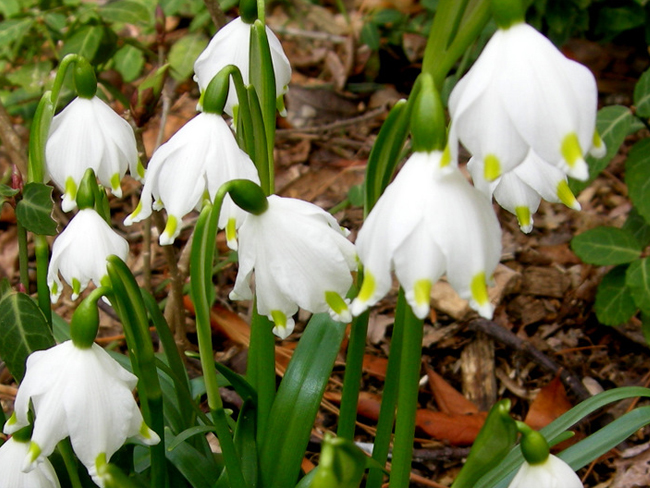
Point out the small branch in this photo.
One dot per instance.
(11, 140)
(509, 339)
(217, 15)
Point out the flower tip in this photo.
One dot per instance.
(485, 310)
(357, 307)
(148, 436)
(579, 170)
(12, 425)
(68, 203)
(31, 459)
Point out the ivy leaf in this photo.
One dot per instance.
(642, 95)
(24, 330)
(637, 279)
(605, 246)
(637, 176)
(34, 211)
(614, 303)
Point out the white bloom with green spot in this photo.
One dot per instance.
(521, 190)
(231, 45)
(79, 253)
(523, 93)
(83, 394)
(301, 258)
(12, 455)
(429, 221)
(552, 473)
(190, 167)
(89, 134)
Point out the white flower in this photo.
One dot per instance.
(552, 473)
(79, 253)
(520, 190)
(89, 134)
(429, 221)
(81, 393)
(231, 45)
(522, 94)
(191, 166)
(301, 258)
(12, 455)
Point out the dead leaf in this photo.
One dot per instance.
(458, 430)
(448, 399)
(549, 404)
(368, 406)
(375, 365)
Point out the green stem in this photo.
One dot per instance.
(443, 30)
(261, 10)
(42, 251)
(70, 461)
(352, 378)
(23, 256)
(60, 76)
(389, 397)
(407, 401)
(260, 371)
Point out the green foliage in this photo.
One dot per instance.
(34, 210)
(605, 246)
(614, 303)
(183, 54)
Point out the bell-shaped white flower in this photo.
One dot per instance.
(520, 190)
(523, 93)
(552, 473)
(12, 455)
(301, 258)
(191, 166)
(231, 45)
(81, 393)
(429, 221)
(79, 253)
(89, 134)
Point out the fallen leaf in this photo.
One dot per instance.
(549, 404)
(448, 399)
(368, 404)
(375, 365)
(458, 430)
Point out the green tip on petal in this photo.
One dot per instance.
(445, 160)
(279, 318)
(367, 288)
(571, 151)
(12, 420)
(54, 289)
(33, 452)
(523, 216)
(169, 234)
(279, 105)
(338, 305)
(115, 182)
(422, 292)
(101, 464)
(131, 218)
(491, 167)
(566, 196)
(479, 291)
(140, 169)
(70, 188)
(231, 233)
(76, 288)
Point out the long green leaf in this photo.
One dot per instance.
(297, 402)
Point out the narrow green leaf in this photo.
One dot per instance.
(34, 211)
(24, 330)
(125, 11)
(642, 95)
(605, 246)
(638, 281)
(614, 304)
(297, 402)
(245, 442)
(200, 471)
(183, 54)
(238, 382)
(85, 41)
(637, 176)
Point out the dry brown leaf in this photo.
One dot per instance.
(448, 399)
(368, 405)
(375, 365)
(549, 404)
(458, 430)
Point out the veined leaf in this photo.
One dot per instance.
(642, 95)
(614, 303)
(34, 211)
(605, 246)
(183, 54)
(637, 176)
(638, 281)
(125, 11)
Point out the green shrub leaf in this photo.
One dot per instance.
(183, 54)
(638, 281)
(614, 303)
(126, 11)
(638, 226)
(605, 246)
(34, 211)
(637, 176)
(642, 95)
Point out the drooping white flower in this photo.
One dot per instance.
(89, 134)
(81, 393)
(301, 258)
(428, 222)
(231, 45)
(191, 166)
(520, 190)
(79, 253)
(522, 93)
(12, 455)
(552, 473)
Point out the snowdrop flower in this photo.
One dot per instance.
(520, 190)
(552, 473)
(301, 258)
(12, 455)
(89, 134)
(231, 45)
(79, 253)
(429, 221)
(189, 167)
(82, 393)
(523, 93)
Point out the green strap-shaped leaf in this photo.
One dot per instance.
(637, 176)
(34, 211)
(198, 470)
(638, 281)
(297, 401)
(23, 330)
(605, 246)
(642, 95)
(614, 303)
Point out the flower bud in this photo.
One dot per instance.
(84, 78)
(248, 10)
(428, 127)
(248, 195)
(215, 95)
(87, 190)
(85, 320)
(507, 13)
(533, 445)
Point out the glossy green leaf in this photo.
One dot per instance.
(637, 176)
(200, 471)
(13, 30)
(238, 382)
(605, 246)
(34, 211)
(638, 226)
(614, 304)
(85, 41)
(129, 61)
(638, 281)
(6, 192)
(642, 95)
(24, 330)
(245, 442)
(125, 11)
(183, 54)
(297, 401)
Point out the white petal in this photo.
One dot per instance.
(12, 454)
(553, 473)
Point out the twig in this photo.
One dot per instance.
(216, 14)
(509, 339)
(339, 124)
(11, 140)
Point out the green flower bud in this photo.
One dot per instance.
(87, 190)
(248, 195)
(428, 127)
(507, 13)
(85, 320)
(213, 99)
(84, 78)
(342, 464)
(248, 10)
(533, 445)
